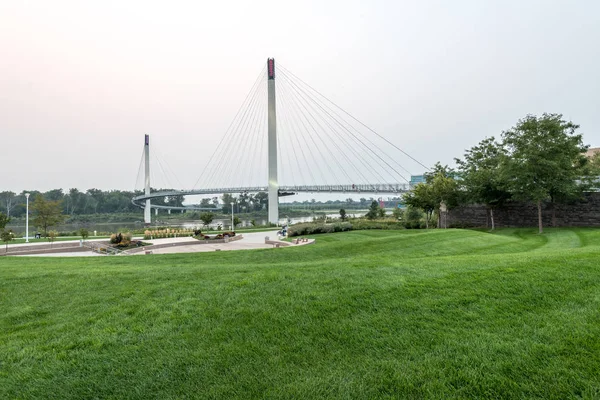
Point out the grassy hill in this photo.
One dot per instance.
(367, 314)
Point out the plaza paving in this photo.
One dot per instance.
(249, 241)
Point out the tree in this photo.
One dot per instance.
(52, 235)
(439, 186)
(84, 233)
(8, 200)
(422, 197)
(482, 177)
(207, 218)
(236, 221)
(343, 214)
(373, 212)
(4, 219)
(397, 213)
(544, 160)
(46, 213)
(6, 236)
(206, 203)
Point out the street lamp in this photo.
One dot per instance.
(27, 219)
(232, 226)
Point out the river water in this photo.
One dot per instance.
(111, 227)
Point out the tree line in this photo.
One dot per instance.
(540, 160)
(76, 202)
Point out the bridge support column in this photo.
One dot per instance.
(272, 148)
(156, 211)
(169, 211)
(148, 207)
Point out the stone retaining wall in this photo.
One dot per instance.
(583, 212)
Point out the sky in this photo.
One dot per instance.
(81, 82)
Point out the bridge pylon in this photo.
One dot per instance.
(148, 206)
(272, 145)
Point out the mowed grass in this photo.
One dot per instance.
(368, 314)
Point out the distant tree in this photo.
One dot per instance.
(398, 213)
(8, 200)
(236, 221)
(46, 213)
(544, 160)
(373, 212)
(207, 218)
(412, 217)
(343, 214)
(51, 237)
(482, 176)
(422, 197)
(381, 212)
(84, 233)
(6, 236)
(205, 203)
(261, 201)
(227, 200)
(4, 219)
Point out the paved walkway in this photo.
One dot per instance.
(251, 240)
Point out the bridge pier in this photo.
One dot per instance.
(156, 211)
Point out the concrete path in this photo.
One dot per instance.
(251, 240)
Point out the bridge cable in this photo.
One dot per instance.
(304, 112)
(378, 159)
(355, 119)
(239, 145)
(260, 75)
(295, 135)
(342, 138)
(287, 127)
(304, 138)
(137, 179)
(254, 141)
(231, 133)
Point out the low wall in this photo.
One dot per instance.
(583, 212)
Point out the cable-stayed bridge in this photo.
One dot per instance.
(290, 141)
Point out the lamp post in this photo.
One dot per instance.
(27, 219)
(232, 226)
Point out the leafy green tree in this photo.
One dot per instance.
(398, 213)
(544, 160)
(206, 203)
(227, 200)
(373, 212)
(343, 214)
(236, 221)
(51, 237)
(46, 213)
(6, 236)
(439, 186)
(422, 197)
(412, 217)
(207, 218)
(84, 233)
(4, 219)
(8, 201)
(482, 177)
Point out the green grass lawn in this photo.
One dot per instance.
(366, 314)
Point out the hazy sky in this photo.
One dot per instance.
(81, 82)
